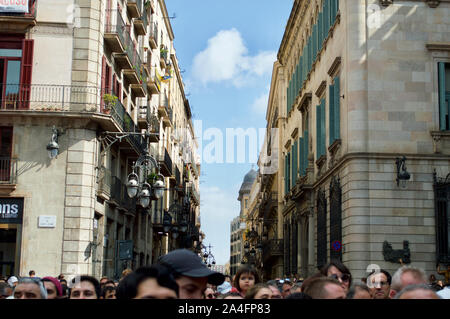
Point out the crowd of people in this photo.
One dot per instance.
(181, 274)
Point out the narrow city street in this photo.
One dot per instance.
(154, 149)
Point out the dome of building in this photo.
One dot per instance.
(248, 181)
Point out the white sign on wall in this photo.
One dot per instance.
(14, 6)
(47, 221)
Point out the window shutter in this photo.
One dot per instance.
(326, 13)
(305, 151)
(310, 56)
(331, 113)
(294, 165)
(289, 171)
(318, 134)
(323, 129)
(285, 175)
(26, 72)
(314, 37)
(320, 31)
(443, 111)
(337, 107)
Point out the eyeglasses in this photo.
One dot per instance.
(343, 278)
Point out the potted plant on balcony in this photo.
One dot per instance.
(109, 100)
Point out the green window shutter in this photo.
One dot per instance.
(286, 175)
(301, 156)
(289, 171)
(443, 111)
(320, 38)
(314, 39)
(305, 151)
(337, 107)
(331, 113)
(326, 13)
(294, 163)
(310, 52)
(333, 11)
(323, 128)
(318, 134)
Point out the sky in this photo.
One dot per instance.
(226, 51)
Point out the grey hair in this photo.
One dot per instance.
(36, 282)
(397, 277)
(352, 291)
(415, 287)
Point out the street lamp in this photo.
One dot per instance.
(52, 146)
(402, 173)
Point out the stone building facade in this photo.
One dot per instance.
(92, 70)
(357, 86)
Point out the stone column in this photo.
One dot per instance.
(311, 232)
(79, 202)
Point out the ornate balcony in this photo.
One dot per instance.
(18, 18)
(141, 23)
(115, 31)
(165, 163)
(154, 82)
(8, 174)
(134, 8)
(153, 38)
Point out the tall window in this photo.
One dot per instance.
(335, 220)
(16, 57)
(321, 229)
(444, 95)
(334, 109)
(320, 129)
(442, 202)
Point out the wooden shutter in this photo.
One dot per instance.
(443, 111)
(310, 57)
(305, 151)
(26, 73)
(318, 134)
(320, 38)
(289, 171)
(314, 39)
(286, 175)
(331, 113)
(323, 128)
(326, 13)
(337, 108)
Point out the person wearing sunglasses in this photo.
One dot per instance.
(210, 294)
(340, 272)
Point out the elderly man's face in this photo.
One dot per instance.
(27, 291)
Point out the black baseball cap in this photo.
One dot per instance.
(186, 263)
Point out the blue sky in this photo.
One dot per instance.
(227, 50)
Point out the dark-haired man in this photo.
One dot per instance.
(190, 273)
(325, 288)
(379, 284)
(155, 282)
(85, 287)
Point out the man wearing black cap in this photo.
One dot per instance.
(190, 273)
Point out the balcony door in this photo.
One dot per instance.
(16, 57)
(10, 65)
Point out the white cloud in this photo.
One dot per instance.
(226, 59)
(218, 208)
(259, 106)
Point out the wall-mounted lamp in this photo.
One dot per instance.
(53, 147)
(402, 173)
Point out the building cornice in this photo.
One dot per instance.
(166, 19)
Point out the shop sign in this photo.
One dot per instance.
(16, 6)
(11, 210)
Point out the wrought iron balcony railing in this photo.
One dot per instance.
(104, 181)
(8, 170)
